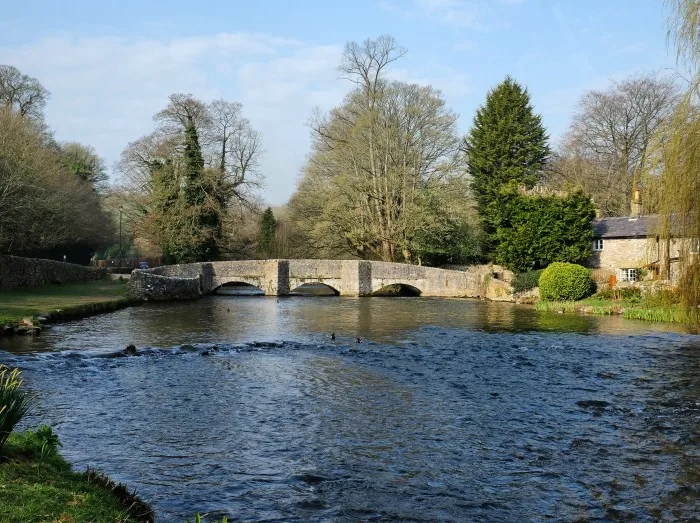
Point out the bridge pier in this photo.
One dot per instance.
(276, 278)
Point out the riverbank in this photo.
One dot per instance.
(23, 311)
(37, 484)
(630, 309)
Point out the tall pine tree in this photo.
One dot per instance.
(268, 227)
(506, 148)
(194, 166)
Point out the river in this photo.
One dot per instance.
(446, 410)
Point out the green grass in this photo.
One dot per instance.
(74, 298)
(632, 309)
(45, 489)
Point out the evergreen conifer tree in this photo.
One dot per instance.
(199, 219)
(194, 165)
(268, 226)
(506, 148)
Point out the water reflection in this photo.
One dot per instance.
(248, 318)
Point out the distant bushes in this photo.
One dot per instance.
(15, 402)
(524, 281)
(565, 282)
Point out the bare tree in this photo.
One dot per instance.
(155, 166)
(373, 158)
(364, 64)
(235, 148)
(42, 204)
(610, 136)
(22, 93)
(182, 110)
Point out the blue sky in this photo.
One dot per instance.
(111, 65)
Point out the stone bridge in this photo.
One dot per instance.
(345, 277)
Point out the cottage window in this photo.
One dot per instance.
(629, 274)
(598, 245)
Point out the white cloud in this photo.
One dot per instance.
(104, 91)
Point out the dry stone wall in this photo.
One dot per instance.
(155, 287)
(17, 272)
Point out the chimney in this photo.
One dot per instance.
(635, 204)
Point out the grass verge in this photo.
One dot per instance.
(38, 487)
(63, 302)
(632, 309)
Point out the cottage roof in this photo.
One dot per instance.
(623, 226)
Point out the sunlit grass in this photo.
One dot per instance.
(632, 310)
(21, 303)
(39, 487)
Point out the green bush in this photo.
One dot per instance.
(524, 281)
(565, 282)
(15, 402)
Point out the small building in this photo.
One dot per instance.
(628, 247)
(621, 245)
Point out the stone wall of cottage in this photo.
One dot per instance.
(621, 253)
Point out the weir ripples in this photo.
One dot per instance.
(447, 410)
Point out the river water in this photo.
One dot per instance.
(447, 410)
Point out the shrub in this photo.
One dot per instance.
(633, 294)
(524, 281)
(15, 402)
(565, 282)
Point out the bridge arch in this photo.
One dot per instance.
(314, 288)
(395, 289)
(246, 286)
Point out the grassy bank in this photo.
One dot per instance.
(632, 309)
(38, 485)
(63, 302)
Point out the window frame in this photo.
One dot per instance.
(626, 272)
(598, 244)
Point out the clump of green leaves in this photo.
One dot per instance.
(48, 441)
(524, 281)
(565, 282)
(15, 402)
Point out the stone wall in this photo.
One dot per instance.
(17, 272)
(155, 287)
(624, 253)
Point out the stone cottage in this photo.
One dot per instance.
(622, 246)
(627, 247)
